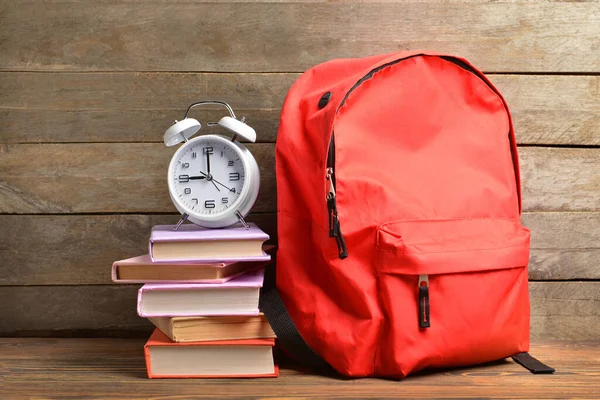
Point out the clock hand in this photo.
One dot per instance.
(191, 178)
(210, 179)
(214, 180)
(208, 162)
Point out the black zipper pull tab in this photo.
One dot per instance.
(331, 206)
(332, 216)
(334, 223)
(424, 318)
(339, 238)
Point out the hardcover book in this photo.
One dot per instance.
(200, 329)
(220, 359)
(238, 296)
(141, 269)
(194, 243)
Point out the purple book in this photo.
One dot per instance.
(194, 243)
(238, 296)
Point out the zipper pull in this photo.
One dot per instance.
(331, 206)
(334, 222)
(339, 238)
(424, 318)
(328, 176)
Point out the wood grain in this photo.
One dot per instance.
(560, 179)
(226, 36)
(70, 107)
(564, 263)
(564, 310)
(553, 109)
(565, 246)
(559, 230)
(24, 125)
(79, 249)
(114, 368)
(138, 107)
(116, 177)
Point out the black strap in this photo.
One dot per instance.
(283, 326)
(532, 364)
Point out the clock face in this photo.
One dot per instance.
(207, 176)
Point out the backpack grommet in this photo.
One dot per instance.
(324, 100)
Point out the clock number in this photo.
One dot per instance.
(194, 154)
(209, 204)
(234, 176)
(187, 191)
(185, 165)
(232, 190)
(222, 154)
(196, 200)
(230, 164)
(207, 150)
(225, 200)
(184, 178)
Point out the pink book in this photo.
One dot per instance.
(142, 269)
(238, 296)
(194, 243)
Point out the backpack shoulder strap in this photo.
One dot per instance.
(287, 334)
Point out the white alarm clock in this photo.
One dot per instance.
(213, 179)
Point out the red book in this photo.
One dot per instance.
(249, 358)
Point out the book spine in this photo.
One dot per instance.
(113, 273)
(148, 364)
(139, 302)
(150, 248)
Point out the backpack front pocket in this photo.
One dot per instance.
(453, 292)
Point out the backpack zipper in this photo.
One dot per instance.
(335, 229)
(334, 222)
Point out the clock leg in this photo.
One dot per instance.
(184, 217)
(242, 220)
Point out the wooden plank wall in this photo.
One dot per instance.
(88, 87)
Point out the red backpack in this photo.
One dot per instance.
(400, 241)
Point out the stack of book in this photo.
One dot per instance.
(201, 291)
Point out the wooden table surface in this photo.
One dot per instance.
(114, 368)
